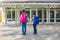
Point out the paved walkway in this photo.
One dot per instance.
(45, 32)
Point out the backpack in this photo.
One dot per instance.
(23, 18)
(36, 20)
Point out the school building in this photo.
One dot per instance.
(47, 10)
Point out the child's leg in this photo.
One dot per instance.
(35, 30)
(24, 28)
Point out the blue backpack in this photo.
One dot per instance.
(36, 20)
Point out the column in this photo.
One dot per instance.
(54, 15)
(36, 12)
(42, 15)
(2, 12)
(47, 15)
(30, 15)
(5, 16)
(0, 18)
(16, 15)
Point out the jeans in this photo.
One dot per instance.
(34, 27)
(24, 28)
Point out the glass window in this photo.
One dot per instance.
(58, 16)
(10, 15)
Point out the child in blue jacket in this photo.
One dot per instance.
(35, 22)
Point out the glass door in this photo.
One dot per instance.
(10, 16)
(45, 15)
(51, 15)
(40, 15)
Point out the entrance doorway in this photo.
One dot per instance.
(44, 15)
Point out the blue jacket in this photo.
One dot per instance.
(36, 20)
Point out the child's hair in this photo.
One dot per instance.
(23, 10)
(34, 13)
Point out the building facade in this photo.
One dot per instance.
(47, 10)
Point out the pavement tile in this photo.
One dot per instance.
(45, 32)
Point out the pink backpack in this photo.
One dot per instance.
(23, 18)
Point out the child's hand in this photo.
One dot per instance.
(31, 19)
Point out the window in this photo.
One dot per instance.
(10, 14)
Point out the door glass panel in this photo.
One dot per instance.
(20, 12)
(28, 14)
(51, 15)
(40, 14)
(8, 15)
(34, 10)
(13, 15)
(58, 16)
(45, 16)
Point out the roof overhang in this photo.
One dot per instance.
(31, 3)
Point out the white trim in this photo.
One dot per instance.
(29, 3)
(49, 15)
(11, 14)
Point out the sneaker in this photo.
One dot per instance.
(34, 33)
(24, 33)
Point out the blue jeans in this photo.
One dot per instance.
(35, 29)
(24, 28)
